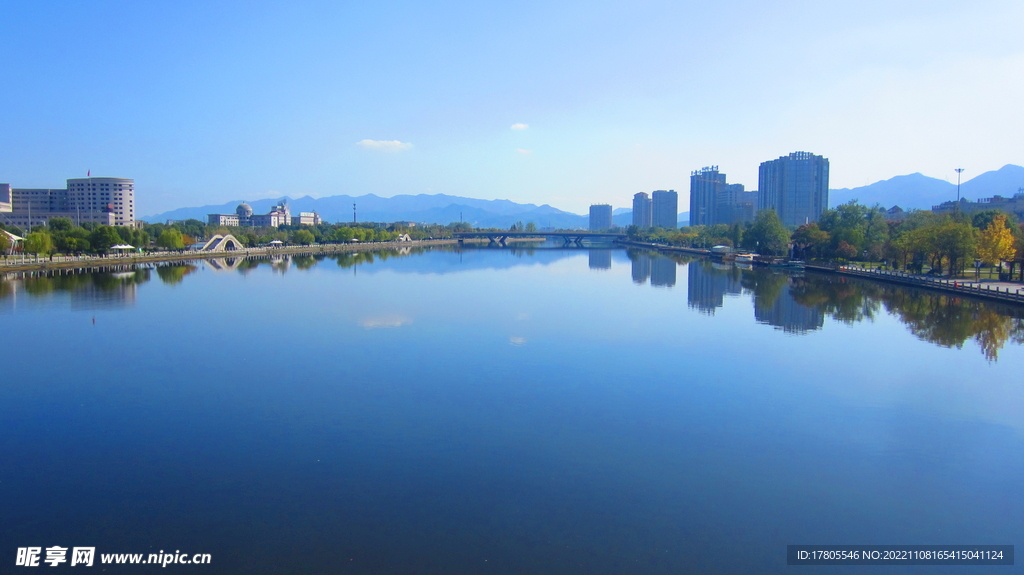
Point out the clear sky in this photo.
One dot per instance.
(565, 103)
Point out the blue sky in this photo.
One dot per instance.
(208, 102)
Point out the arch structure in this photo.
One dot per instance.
(219, 243)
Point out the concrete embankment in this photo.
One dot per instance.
(90, 262)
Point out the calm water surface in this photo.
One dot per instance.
(502, 411)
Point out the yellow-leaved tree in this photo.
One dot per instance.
(996, 243)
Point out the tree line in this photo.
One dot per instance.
(62, 236)
(945, 243)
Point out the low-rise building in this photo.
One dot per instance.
(279, 215)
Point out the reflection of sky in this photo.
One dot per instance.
(538, 413)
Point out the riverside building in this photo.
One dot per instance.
(279, 215)
(795, 186)
(108, 201)
(713, 201)
(664, 209)
(600, 217)
(641, 210)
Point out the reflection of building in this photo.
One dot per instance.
(641, 210)
(279, 215)
(107, 291)
(641, 263)
(600, 259)
(663, 272)
(707, 286)
(664, 209)
(795, 186)
(108, 201)
(600, 217)
(788, 315)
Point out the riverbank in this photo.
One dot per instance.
(1002, 291)
(92, 262)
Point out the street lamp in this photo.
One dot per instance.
(958, 172)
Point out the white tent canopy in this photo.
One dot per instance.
(11, 236)
(122, 247)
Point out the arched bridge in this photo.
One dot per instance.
(569, 237)
(219, 243)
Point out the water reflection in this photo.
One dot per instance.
(599, 259)
(793, 303)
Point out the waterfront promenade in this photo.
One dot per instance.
(22, 263)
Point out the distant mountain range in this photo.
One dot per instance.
(436, 208)
(917, 191)
(914, 191)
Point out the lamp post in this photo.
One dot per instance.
(958, 172)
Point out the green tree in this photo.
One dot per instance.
(767, 235)
(304, 237)
(531, 227)
(39, 243)
(5, 244)
(102, 238)
(60, 225)
(811, 240)
(171, 239)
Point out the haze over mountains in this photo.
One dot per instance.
(914, 191)
(917, 191)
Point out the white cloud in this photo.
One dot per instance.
(517, 341)
(522, 151)
(520, 126)
(384, 145)
(385, 321)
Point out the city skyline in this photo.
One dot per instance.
(567, 104)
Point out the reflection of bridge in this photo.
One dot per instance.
(569, 237)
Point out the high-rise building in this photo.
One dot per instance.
(109, 201)
(664, 209)
(641, 210)
(735, 205)
(116, 195)
(600, 217)
(795, 186)
(705, 187)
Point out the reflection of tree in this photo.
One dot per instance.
(767, 286)
(844, 301)
(174, 274)
(304, 262)
(939, 318)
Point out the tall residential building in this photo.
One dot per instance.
(109, 201)
(735, 205)
(795, 186)
(600, 217)
(705, 186)
(641, 210)
(665, 209)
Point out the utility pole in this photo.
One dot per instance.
(353, 213)
(958, 172)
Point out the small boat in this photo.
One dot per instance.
(745, 258)
(795, 264)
